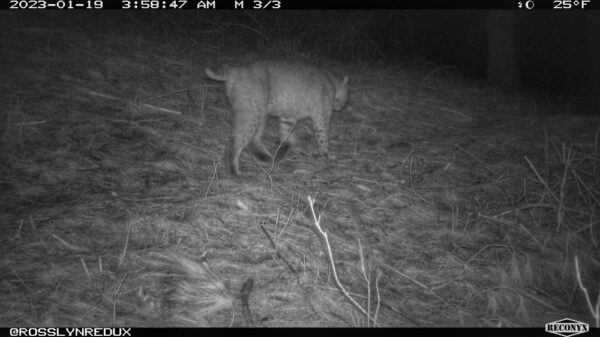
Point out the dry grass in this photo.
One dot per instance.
(449, 205)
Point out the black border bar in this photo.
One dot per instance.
(153, 5)
(407, 4)
(292, 332)
(287, 332)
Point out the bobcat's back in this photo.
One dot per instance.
(289, 90)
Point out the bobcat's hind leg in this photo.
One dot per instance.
(286, 136)
(241, 136)
(257, 147)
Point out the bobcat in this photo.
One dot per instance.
(289, 90)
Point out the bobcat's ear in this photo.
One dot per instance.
(345, 81)
(219, 73)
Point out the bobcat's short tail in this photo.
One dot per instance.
(216, 73)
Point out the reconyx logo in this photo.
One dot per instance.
(567, 327)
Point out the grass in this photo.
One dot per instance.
(449, 204)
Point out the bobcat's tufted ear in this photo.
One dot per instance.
(216, 73)
(341, 94)
(219, 73)
(345, 81)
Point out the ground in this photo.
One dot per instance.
(450, 203)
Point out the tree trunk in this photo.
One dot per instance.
(503, 67)
(593, 18)
(409, 32)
